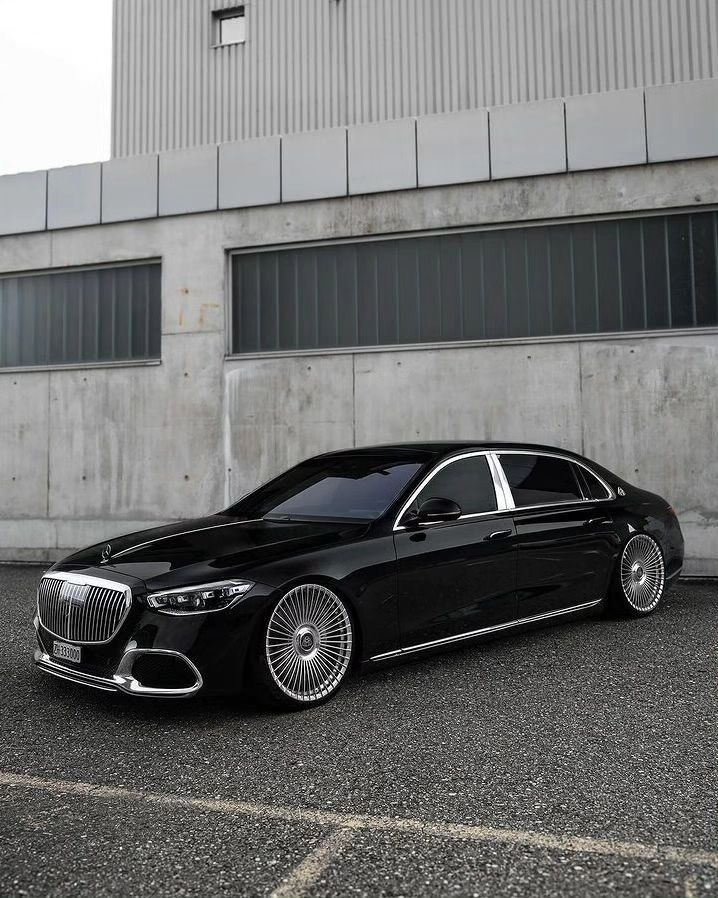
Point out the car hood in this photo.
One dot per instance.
(206, 549)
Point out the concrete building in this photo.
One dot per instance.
(339, 222)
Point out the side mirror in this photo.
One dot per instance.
(432, 511)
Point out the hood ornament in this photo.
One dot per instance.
(106, 554)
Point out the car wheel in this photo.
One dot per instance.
(640, 577)
(306, 648)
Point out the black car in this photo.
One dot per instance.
(356, 557)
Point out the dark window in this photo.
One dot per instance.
(230, 26)
(588, 277)
(593, 487)
(359, 487)
(81, 316)
(467, 482)
(540, 479)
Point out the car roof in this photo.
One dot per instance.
(438, 449)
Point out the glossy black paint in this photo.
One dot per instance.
(404, 588)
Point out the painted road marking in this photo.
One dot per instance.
(314, 864)
(334, 819)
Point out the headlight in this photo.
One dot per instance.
(198, 599)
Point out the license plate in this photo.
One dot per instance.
(66, 651)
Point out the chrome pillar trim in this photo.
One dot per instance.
(500, 481)
(447, 640)
(122, 680)
(499, 494)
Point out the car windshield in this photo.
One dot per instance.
(358, 487)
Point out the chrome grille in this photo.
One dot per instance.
(82, 609)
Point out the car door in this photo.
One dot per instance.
(565, 540)
(457, 577)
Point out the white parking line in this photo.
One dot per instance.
(333, 819)
(314, 864)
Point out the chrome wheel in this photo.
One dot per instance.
(309, 643)
(642, 573)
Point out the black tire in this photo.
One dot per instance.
(639, 580)
(303, 649)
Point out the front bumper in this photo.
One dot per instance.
(122, 680)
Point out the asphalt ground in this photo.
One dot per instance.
(574, 760)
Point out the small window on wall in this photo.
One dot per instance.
(229, 26)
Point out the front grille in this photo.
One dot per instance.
(80, 609)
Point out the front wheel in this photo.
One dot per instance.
(306, 648)
(640, 577)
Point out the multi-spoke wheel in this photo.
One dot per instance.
(641, 575)
(307, 646)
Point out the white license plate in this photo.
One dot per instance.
(66, 651)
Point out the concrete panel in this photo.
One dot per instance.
(188, 181)
(249, 173)
(527, 139)
(148, 443)
(382, 156)
(280, 411)
(605, 130)
(73, 196)
(23, 202)
(526, 393)
(25, 251)
(454, 148)
(129, 188)
(23, 446)
(314, 165)
(650, 412)
(682, 120)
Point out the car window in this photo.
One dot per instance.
(467, 482)
(594, 488)
(347, 487)
(540, 479)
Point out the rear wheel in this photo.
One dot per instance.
(306, 648)
(640, 577)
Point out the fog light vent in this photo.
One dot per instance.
(158, 671)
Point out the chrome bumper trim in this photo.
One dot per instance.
(122, 680)
(447, 640)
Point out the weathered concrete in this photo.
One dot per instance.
(155, 443)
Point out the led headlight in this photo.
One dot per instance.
(199, 599)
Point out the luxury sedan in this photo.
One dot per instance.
(356, 558)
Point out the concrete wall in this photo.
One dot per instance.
(592, 131)
(89, 453)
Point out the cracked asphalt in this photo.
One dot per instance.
(589, 732)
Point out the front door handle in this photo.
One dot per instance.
(499, 534)
(591, 521)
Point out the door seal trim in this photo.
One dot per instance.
(395, 653)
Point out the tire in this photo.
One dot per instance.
(304, 648)
(639, 580)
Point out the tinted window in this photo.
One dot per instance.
(594, 488)
(467, 482)
(540, 479)
(352, 487)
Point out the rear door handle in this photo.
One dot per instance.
(591, 521)
(499, 534)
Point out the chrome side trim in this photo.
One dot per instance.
(122, 680)
(447, 640)
(498, 492)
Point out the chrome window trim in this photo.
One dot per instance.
(498, 491)
(568, 502)
(86, 580)
(446, 640)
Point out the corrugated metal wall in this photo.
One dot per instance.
(311, 64)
